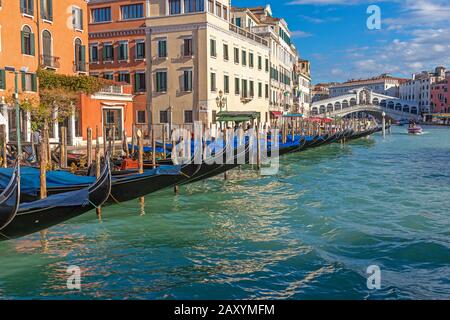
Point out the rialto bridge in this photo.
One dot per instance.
(364, 100)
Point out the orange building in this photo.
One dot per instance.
(50, 34)
(117, 46)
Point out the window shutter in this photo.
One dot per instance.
(104, 52)
(24, 82)
(136, 82)
(32, 44)
(2, 79)
(83, 54)
(81, 19)
(22, 35)
(33, 82)
(50, 9)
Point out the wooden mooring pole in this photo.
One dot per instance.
(89, 147)
(140, 151)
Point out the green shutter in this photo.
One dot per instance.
(33, 83)
(32, 44)
(2, 79)
(104, 52)
(50, 9)
(24, 82)
(136, 82)
(83, 54)
(22, 38)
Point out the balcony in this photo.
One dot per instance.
(49, 62)
(248, 35)
(80, 66)
(113, 89)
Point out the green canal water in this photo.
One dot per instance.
(309, 232)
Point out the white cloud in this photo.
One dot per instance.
(300, 34)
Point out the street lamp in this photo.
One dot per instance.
(221, 102)
(17, 108)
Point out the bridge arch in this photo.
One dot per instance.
(406, 108)
(391, 105)
(398, 107)
(330, 107)
(337, 106)
(414, 110)
(352, 102)
(376, 101)
(383, 103)
(322, 109)
(314, 111)
(345, 104)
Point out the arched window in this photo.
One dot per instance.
(383, 103)
(398, 107)
(391, 105)
(314, 111)
(337, 106)
(329, 107)
(322, 109)
(80, 56)
(352, 102)
(27, 39)
(375, 101)
(406, 108)
(47, 48)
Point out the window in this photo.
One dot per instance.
(93, 53)
(47, 10)
(194, 6)
(236, 55)
(211, 6)
(218, 9)
(29, 82)
(132, 11)
(225, 12)
(174, 6)
(2, 79)
(267, 65)
(162, 48)
(213, 82)
(140, 117)
(259, 62)
(213, 48)
(140, 49)
(226, 84)
(267, 91)
(259, 90)
(123, 51)
(188, 116)
(108, 52)
(244, 58)
(123, 77)
(187, 49)
(237, 86)
(161, 81)
(164, 116)
(187, 81)
(225, 52)
(139, 81)
(239, 22)
(244, 91)
(252, 89)
(108, 76)
(27, 41)
(250, 58)
(77, 18)
(101, 15)
(27, 7)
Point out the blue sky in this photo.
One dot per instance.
(333, 34)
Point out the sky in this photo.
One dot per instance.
(333, 34)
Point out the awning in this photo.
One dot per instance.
(276, 114)
(293, 115)
(237, 116)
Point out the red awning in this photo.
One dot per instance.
(276, 114)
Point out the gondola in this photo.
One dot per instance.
(10, 199)
(42, 214)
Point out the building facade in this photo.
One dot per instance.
(117, 47)
(197, 56)
(36, 34)
(302, 90)
(440, 96)
(418, 88)
(383, 84)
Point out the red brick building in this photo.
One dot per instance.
(440, 95)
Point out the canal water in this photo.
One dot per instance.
(310, 232)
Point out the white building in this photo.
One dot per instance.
(418, 89)
(383, 84)
(302, 94)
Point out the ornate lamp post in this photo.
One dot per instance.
(221, 102)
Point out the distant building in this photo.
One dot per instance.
(440, 95)
(383, 84)
(418, 88)
(321, 91)
(302, 82)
